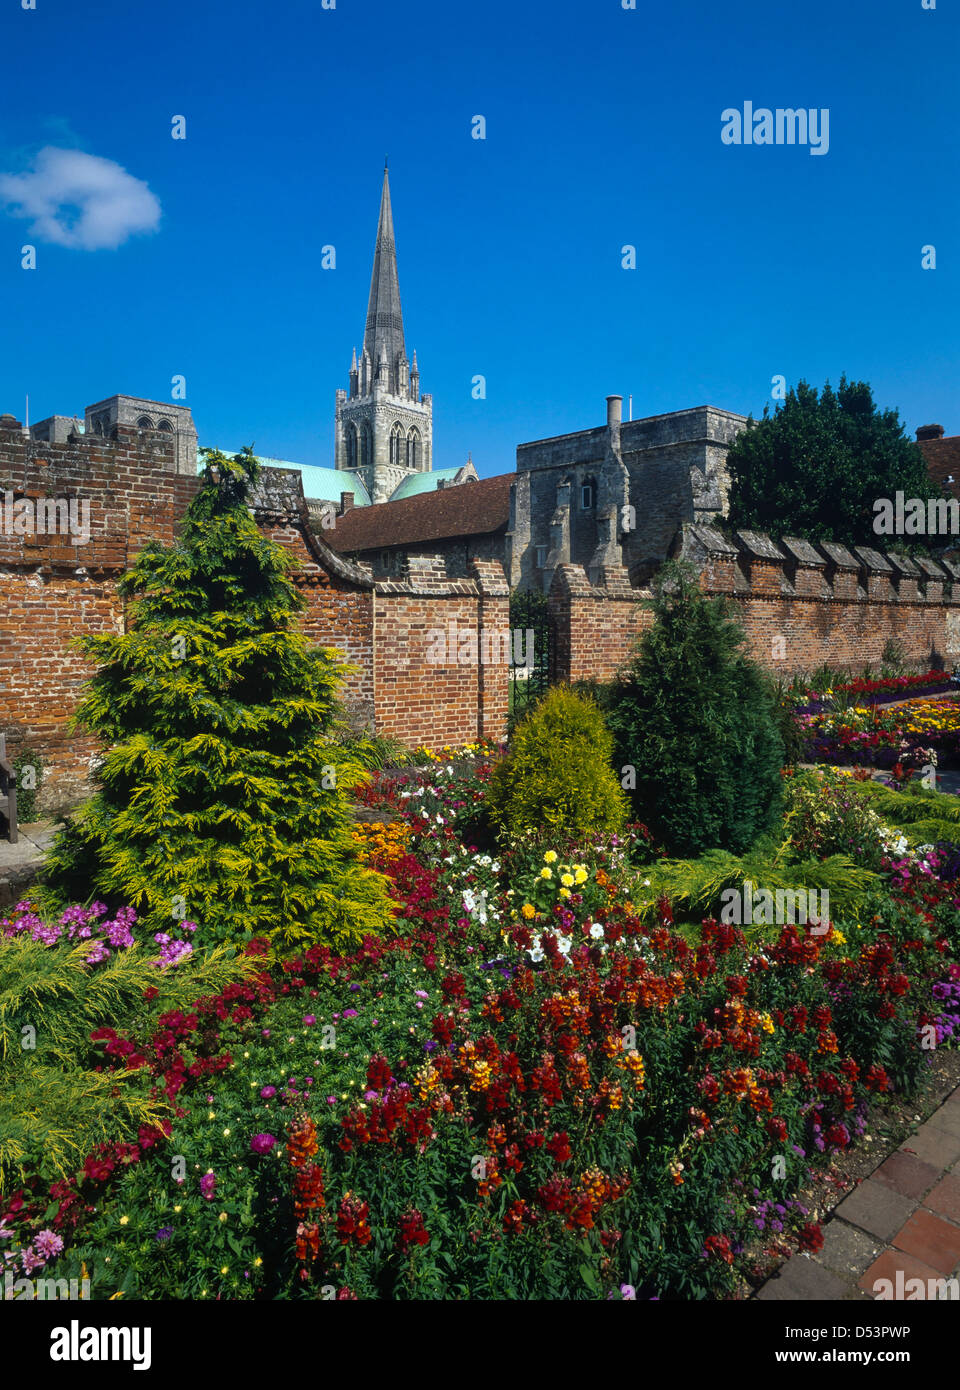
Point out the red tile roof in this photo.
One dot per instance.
(469, 509)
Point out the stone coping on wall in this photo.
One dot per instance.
(730, 564)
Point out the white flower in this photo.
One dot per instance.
(564, 943)
(596, 931)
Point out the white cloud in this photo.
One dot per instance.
(80, 200)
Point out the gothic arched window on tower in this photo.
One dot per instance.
(366, 447)
(166, 426)
(351, 446)
(144, 423)
(414, 449)
(396, 445)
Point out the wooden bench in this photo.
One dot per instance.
(8, 792)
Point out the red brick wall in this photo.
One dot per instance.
(595, 629)
(421, 700)
(53, 589)
(338, 615)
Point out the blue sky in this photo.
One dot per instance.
(603, 130)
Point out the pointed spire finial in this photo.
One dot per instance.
(383, 335)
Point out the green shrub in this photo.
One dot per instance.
(698, 722)
(223, 793)
(557, 776)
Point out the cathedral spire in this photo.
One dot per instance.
(384, 329)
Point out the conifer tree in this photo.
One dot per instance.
(221, 796)
(696, 720)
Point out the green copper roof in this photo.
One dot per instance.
(319, 484)
(423, 482)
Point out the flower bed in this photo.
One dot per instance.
(525, 1093)
(865, 692)
(916, 732)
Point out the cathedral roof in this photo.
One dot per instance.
(416, 483)
(470, 509)
(384, 329)
(319, 484)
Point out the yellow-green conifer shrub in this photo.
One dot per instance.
(558, 777)
(223, 792)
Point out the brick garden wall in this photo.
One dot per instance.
(801, 605)
(446, 701)
(53, 589)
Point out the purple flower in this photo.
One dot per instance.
(208, 1185)
(262, 1143)
(350, 1013)
(164, 1233)
(309, 1020)
(48, 1244)
(268, 1093)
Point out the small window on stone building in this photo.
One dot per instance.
(588, 495)
(166, 426)
(541, 557)
(144, 423)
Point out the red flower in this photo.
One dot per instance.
(810, 1238)
(412, 1231)
(559, 1146)
(719, 1247)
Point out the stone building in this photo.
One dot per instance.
(134, 412)
(616, 495)
(384, 426)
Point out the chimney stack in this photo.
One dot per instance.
(930, 432)
(346, 502)
(614, 410)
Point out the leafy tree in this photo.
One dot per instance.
(697, 721)
(816, 466)
(221, 796)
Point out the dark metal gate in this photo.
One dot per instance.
(531, 647)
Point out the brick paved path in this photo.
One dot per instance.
(905, 1216)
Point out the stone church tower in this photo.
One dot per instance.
(384, 429)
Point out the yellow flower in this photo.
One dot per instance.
(837, 937)
(223, 1216)
(211, 1114)
(580, 876)
(550, 857)
(225, 1270)
(528, 911)
(226, 1134)
(124, 1220)
(178, 1208)
(567, 880)
(564, 892)
(766, 1023)
(546, 873)
(258, 1261)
